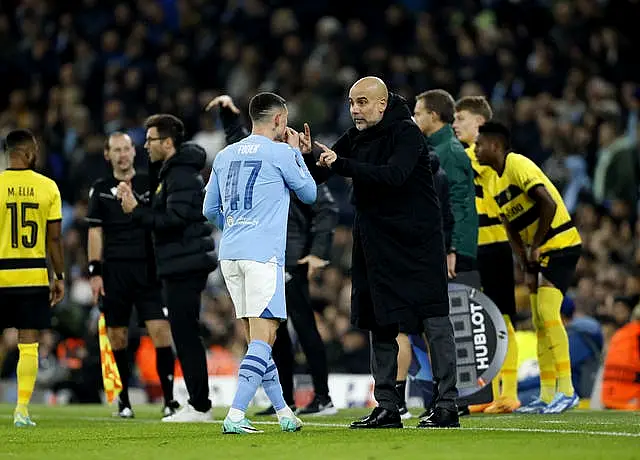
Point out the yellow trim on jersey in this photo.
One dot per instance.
(511, 193)
(28, 201)
(490, 229)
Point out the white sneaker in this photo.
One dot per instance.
(187, 414)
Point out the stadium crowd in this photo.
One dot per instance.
(562, 74)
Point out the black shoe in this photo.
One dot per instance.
(170, 408)
(271, 411)
(379, 418)
(463, 411)
(321, 405)
(425, 413)
(440, 418)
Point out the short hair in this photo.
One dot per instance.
(263, 104)
(18, 137)
(440, 102)
(168, 126)
(477, 105)
(495, 129)
(107, 145)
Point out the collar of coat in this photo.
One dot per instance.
(441, 136)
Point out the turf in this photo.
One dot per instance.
(89, 432)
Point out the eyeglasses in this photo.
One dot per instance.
(151, 139)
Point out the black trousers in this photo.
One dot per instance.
(182, 298)
(384, 366)
(301, 315)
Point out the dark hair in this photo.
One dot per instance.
(440, 102)
(494, 129)
(262, 104)
(477, 105)
(17, 138)
(168, 126)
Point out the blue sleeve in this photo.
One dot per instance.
(295, 172)
(212, 207)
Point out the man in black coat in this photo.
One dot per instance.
(310, 230)
(399, 262)
(184, 248)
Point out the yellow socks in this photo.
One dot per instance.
(545, 357)
(509, 369)
(550, 300)
(27, 372)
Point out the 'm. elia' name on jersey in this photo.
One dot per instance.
(511, 193)
(28, 201)
(490, 228)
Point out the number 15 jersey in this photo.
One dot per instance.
(248, 196)
(28, 201)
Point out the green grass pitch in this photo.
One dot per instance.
(89, 432)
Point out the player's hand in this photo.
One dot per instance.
(327, 157)
(451, 265)
(56, 292)
(97, 288)
(292, 138)
(533, 257)
(314, 263)
(224, 101)
(305, 139)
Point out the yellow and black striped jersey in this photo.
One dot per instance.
(511, 193)
(28, 201)
(490, 229)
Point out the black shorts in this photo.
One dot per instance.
(25, 308)
(127, 283)
(559, 266)
(495, 263)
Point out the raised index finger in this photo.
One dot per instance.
(307, 130)
(322, 146)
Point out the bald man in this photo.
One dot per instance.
(399, 262)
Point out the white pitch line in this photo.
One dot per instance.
(338, 425)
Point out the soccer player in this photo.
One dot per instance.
(122, 271)
(248, 196)
(548, 245)
(30, 229)
(495, 261)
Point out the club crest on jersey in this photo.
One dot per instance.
(159, 188)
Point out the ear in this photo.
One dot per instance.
(105, 152)
(277, 118)
(383, 104)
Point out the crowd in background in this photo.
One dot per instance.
(562, 74)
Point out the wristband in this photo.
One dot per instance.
(59, 276)
(95, 268)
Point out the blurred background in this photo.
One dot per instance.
(564, 75)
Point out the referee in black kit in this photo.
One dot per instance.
(122, 271)
(183, 245)
(310, 230)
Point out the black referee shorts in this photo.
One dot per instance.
(25, 308)
(127, 283)
(495, 263)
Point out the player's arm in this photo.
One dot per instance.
(517, 245)
(409, 145)
(212, 206)
(182, 204)
(547, 207)
(94, 244)
(54, 248)
(295, 173)
(234, 128)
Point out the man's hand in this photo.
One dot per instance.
(451, 265)
(305, 140)
(97, 288)
(292, 138)
(327, 157)
(56, 292)
(315, 263)
(533, 256)
(222, 101)
(127, 200)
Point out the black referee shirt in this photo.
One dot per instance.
(122, 239)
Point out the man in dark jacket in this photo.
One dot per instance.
(399, 264)
(310, 230)
(434, 113)
(184, 248)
